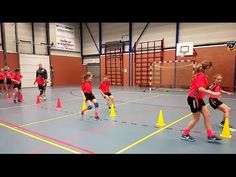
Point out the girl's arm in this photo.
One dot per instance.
(228, 93)
(102, 93)
(15, 81)
(201, 89)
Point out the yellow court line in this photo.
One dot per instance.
(41, 139)
(68, 115)
(153, 133)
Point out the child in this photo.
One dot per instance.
(2, 81)
(41, 85)
(86, 90)
(104, 88)
(197, 105)
(16, 80)
(216, 103)
(9, 75)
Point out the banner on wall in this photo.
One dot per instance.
(65, 37)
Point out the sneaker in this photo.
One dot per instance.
(221, 124)
(188, 138)
(214, 139)
(232, 129)
(97, 117)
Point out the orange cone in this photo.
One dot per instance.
(58, 104)
(38, 101)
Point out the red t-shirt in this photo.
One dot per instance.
(215, 88)
(40, 81)
(2, 76)
(199, 80)
(17, 77)
(9, 74)
(87, 86)
(105, 86)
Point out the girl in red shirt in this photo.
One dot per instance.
(9, 75)
(86, 90)
(216, 103)
(2, 81)
(104, 88)
(16, 80)
(41, 85)
(197, 105)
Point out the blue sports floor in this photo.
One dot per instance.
(27, 128)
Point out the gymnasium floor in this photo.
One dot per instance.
(29, 128)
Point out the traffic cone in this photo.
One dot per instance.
(38, 100)
(226, 131)
(160, 122)
(84, 107)
(58, 104)
(113, 112)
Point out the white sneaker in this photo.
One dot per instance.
(232, 129)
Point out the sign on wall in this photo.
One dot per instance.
(65, 37)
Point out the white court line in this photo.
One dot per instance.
(60, 117)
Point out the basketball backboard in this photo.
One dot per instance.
(184, 48)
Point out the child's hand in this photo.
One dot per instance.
(230, 93)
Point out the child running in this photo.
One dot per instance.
(104, 88)
(197, 105)
(41, 85)
(16, 80)
(216, 103)
(86, 90)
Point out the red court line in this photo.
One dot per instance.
(48, 137)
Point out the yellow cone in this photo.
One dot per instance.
(160, 122)
(113, 112)
(226, 131)
(84, 106)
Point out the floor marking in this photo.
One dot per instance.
(78, 113)
(40, 139)
(45, 136)
(152, 134)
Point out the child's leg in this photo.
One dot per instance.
(207, 121)
(112, 99)
(192, 123)
(15, 94)
(225, 109)
(20, 96)
(108, 102)
(40, 90)
(96, 107)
